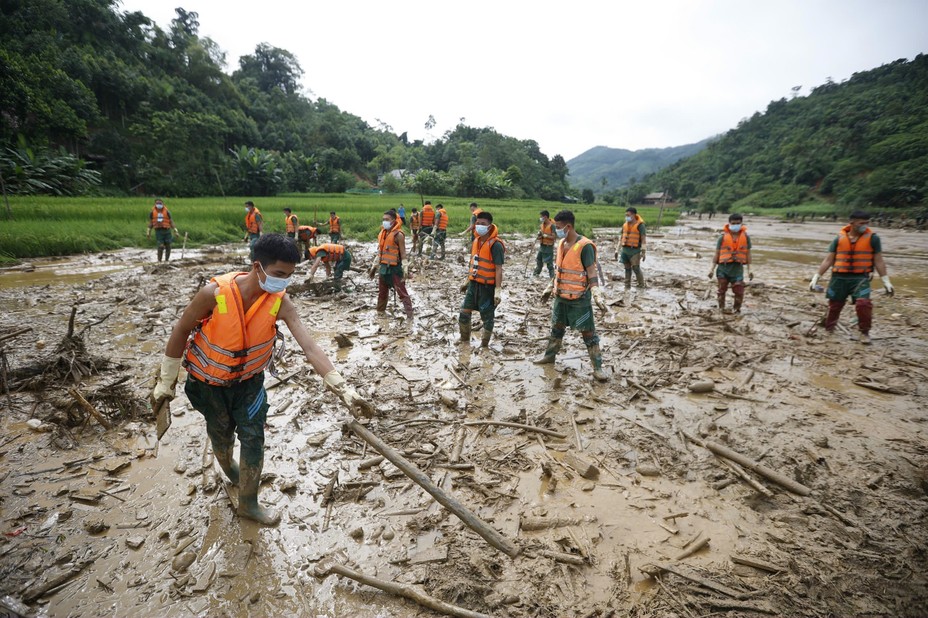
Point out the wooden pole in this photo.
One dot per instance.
(89, 408)
(490, 535)
(542, 430)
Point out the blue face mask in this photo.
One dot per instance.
(272, 285)
(481, 229)
(561, 232)
(734, 227)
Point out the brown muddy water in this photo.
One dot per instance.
(139, 528)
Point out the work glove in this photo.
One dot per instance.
(712, 272)
(465, 284)
(336, 383)
(814, 282)
(887, 285)
(747, 268)
(497, 296)
(166, 382)
(547, 293)
(598, 298)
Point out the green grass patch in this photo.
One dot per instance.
(53, 226)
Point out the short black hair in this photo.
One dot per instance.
(250, 203)
(735, 216)
(440, 205)
(565, 216)
(331, 212)
(287, 210)
(860, 214)
(415, 210)
(428, 202)
(473, 204)
(272, 248)
(485, 215)
(545, 213)
(632, 210)
(390, 212)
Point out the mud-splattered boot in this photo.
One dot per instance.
(554, 346)
(596, 357)
(249, 480)
(485, 338)
(628, 279)
(464, 329)
(160, 253)
(167, 253)
(228, 465)
(639, 276)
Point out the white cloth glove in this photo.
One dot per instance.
(497, 296)
(547, 293)
(336, 383)
(167, 380)
(814, 282)
(598, 298)
(887, 285)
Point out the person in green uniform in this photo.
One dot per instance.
(732, 261)
(633, 247)
(546, 237)
(484, 279)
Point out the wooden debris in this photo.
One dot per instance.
(406, 591)
(541, 430)
(89, 408)
(701, 386)
(437, 553)
(583, 467)
(642, 389)
(656, 569)
(530, 524)
(34, 593)
(757, 563)
(692, 546)
(559, 556)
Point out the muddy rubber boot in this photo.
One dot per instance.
(596, 357)
(464, 330)
(628, 279)
(249, 480)
(167, 253)
(228, 465)
(554, 346)
(160, 253)
(485, 338)
(736, 308)
(640, 278)
(865, 338)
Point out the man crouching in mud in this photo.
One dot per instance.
(233, 321)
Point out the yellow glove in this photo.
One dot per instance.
(167, 380)
(497, 296)
(547, 293)
(598, 298)
(336, 383)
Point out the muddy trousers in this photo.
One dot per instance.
(164, 251)
(864, 314)
(383, 291)
(737, 289)
(478, 297)
(590, 340)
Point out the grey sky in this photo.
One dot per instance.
(570, 75)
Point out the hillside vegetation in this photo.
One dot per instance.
(95, 99)
(861, 143)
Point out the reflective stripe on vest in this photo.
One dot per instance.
(291, 224)
(547, 229)
(630, 235)
(161, 219)
(442, 219)
(570, 279)
(854, 257)
(333, 252)
(307, 232)
(387, 245)
(734, 250)
(482, 268)
(335, 225)
(251, 221)
(428, 216)
(230, 345)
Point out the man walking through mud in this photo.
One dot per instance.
(233, 323)
(484, 282)
(852, 257)
(575, 288)
(732, 261)
(254, 225)
(292, 223)
(160, 220)
(633, 247)
(335, 227)
(546, 237)
(388, 263)
(428, 223)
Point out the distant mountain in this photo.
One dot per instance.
(618, 165)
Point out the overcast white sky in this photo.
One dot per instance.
(570, 75)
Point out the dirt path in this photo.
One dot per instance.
(137, 528)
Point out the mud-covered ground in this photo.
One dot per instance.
(102, 521)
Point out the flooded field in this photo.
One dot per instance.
(615, 494)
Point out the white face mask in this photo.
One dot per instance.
(628, 218)
(561, 232)
(734, 227)
(159, 205)
(541, 219)
(482, 229)
(272, 285)
(387, 225)
(862, 228)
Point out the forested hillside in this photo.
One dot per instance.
(95, 99)
(601, 168)
(860, 143)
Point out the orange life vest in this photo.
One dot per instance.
(335, 225)
(630, 235)
(231, 345)
(853, 257)
(251, 221)
(415, 221)
(547, 233)
(333, 252)
(388, 245)
(482, 268)
(570, 279)
(428, 216)
(161, 219)
(307, 232)
(291, 223)
(442, 219)
(734, 250)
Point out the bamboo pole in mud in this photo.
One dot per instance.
(489, 534)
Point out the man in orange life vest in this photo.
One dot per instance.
(160, 219)
(428, 223)
(233, 322)
(306, 234)
(327, 254)
(484, 282)
(732, 261)
(633, 247)
(546, 237)
(474, 211)
(441, 234)
(388, 263)
(335, 227)
(575, 288)
(293, 224)
(415, 224)
(254, 225)
(852, 257)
